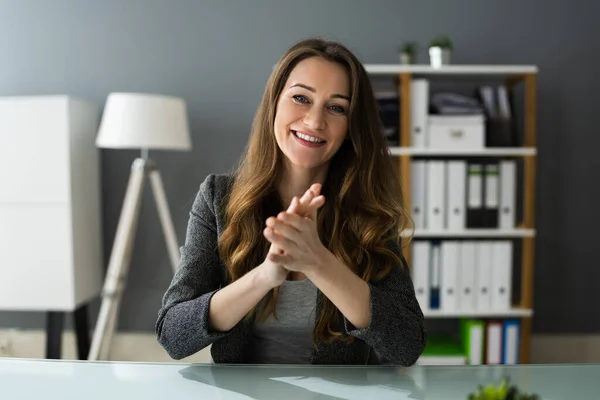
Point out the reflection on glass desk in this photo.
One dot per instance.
(59, 379)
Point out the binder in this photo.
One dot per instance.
(483, 300)
(419, 89)
(467, 276)
(435, 195)
(474, 195)
(491, 196)
(472, 336)
(511, 342)
(493, 342)
(456, 195)
(435, 275)
(498, 112)
(420, 272)
(504, 107)
(502, 258)
(508, 192)
(442, 350)
(450, 256)
(489, 101)
(418, 192)
(389, 112)
(504, 124)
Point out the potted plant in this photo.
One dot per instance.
(440, 48)
(408, 53)
(504, 391)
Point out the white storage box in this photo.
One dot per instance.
(456, 132)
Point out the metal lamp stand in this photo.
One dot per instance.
(120, 257)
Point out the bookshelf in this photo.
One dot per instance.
(524, 231)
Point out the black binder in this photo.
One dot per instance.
(389, 111)
(491, 194)
(475, 183)
(499, 124)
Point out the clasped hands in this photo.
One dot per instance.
(295, 243)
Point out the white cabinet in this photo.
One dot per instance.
(50, 213)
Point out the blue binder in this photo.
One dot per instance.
(511, 338)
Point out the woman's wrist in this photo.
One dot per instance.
(326, 260)
(263, 277)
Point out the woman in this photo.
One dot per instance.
(323, 282)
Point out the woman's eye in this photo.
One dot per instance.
(300, 98)
(337, 109)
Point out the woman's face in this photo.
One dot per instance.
(311, 122)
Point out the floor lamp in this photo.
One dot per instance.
(144, 122)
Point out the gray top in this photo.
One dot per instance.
(287, 339)
(396, 329)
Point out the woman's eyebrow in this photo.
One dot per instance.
(312, 89)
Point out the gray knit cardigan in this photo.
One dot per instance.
(396, 331)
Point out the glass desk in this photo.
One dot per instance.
(57, 379)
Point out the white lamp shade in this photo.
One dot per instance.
(144, 121)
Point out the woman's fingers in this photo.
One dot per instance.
(301, 206)
(278, 240)
(311, 210)
(293, 205)
(286, 230)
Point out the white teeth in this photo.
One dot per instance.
(307, 138)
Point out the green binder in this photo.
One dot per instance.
(472, 337)
(443, 350)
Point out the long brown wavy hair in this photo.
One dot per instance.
(364, 205)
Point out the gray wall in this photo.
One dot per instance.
(217, 56)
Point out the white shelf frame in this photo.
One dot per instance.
(486, 152)
(512, 313)
(393, 69)
(472, 233)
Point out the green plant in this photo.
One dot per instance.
(504, 391)
(442, 41)
(409, 48)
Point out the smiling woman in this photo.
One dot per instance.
(296, 257)
(311, 114)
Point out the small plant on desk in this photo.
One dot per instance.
(504, 391)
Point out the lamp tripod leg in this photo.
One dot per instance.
(118, 266)
(164, 214)
(104, 352)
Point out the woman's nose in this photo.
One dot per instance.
(314, 118)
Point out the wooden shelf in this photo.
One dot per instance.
(424, 69)
(473, 233)
(512, 75)
(512, 313)
(486, 152)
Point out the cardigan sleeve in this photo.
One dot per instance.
(182, 327)
(396, 330)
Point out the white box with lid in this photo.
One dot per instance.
(465, 132)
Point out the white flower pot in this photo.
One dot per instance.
(439, 56)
